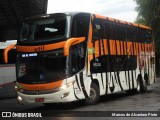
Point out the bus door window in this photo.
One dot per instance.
(77, 58)
(80, 28)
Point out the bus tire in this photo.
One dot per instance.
(141, 85)
(94, 95)
(144, 86)
(138, 89)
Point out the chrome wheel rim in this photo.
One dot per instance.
(92, 94)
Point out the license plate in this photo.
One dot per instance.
(39, 99)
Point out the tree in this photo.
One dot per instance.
(149, 14)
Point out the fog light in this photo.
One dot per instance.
(19, 98)
(65, 95)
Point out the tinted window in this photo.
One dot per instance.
(80, 26)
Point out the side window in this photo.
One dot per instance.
(98, 29)
(132, 34)
(148, 36)
(77, 57)
(138, 37)
(111, 63)
(114, 31)
(80, 26)
(109, 30)
(128, 33)
(120, 32)
(98, 64)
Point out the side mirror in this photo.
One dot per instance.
(70, 42)
(5, 52)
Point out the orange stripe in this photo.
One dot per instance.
(97, 49)
(65, 44)
(118, 47)
(40, 47)
(46, 86)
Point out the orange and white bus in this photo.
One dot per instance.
(65, 57)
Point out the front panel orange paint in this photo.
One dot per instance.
(46, 86)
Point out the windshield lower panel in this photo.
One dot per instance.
(41, 67)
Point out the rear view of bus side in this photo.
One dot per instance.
(66, 57)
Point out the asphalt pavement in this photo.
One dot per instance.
(107, 109)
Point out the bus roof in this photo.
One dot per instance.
(96, 15)
(121, 21)
(54, 14)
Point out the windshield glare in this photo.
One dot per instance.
(45, 29)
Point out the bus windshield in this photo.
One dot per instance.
(45, 29)
(41, 67)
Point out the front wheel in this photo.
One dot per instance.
(94, 95)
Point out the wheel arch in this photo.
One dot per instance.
(95, 81)
(146, 78)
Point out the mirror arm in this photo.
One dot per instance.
(70, 42)
(5, 52)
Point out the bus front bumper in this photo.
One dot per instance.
(66, 95)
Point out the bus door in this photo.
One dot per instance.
(78, 52)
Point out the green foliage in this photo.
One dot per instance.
(149, 11)
(149, 14)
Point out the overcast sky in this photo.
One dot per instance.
(120, 9)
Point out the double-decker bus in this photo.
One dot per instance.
(65, 57)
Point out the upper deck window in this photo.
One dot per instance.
(48, 29)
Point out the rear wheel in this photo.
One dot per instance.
(94, 95)
(141, 85)
(138, 89)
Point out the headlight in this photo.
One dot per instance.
(63, 87)
(16, 88)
